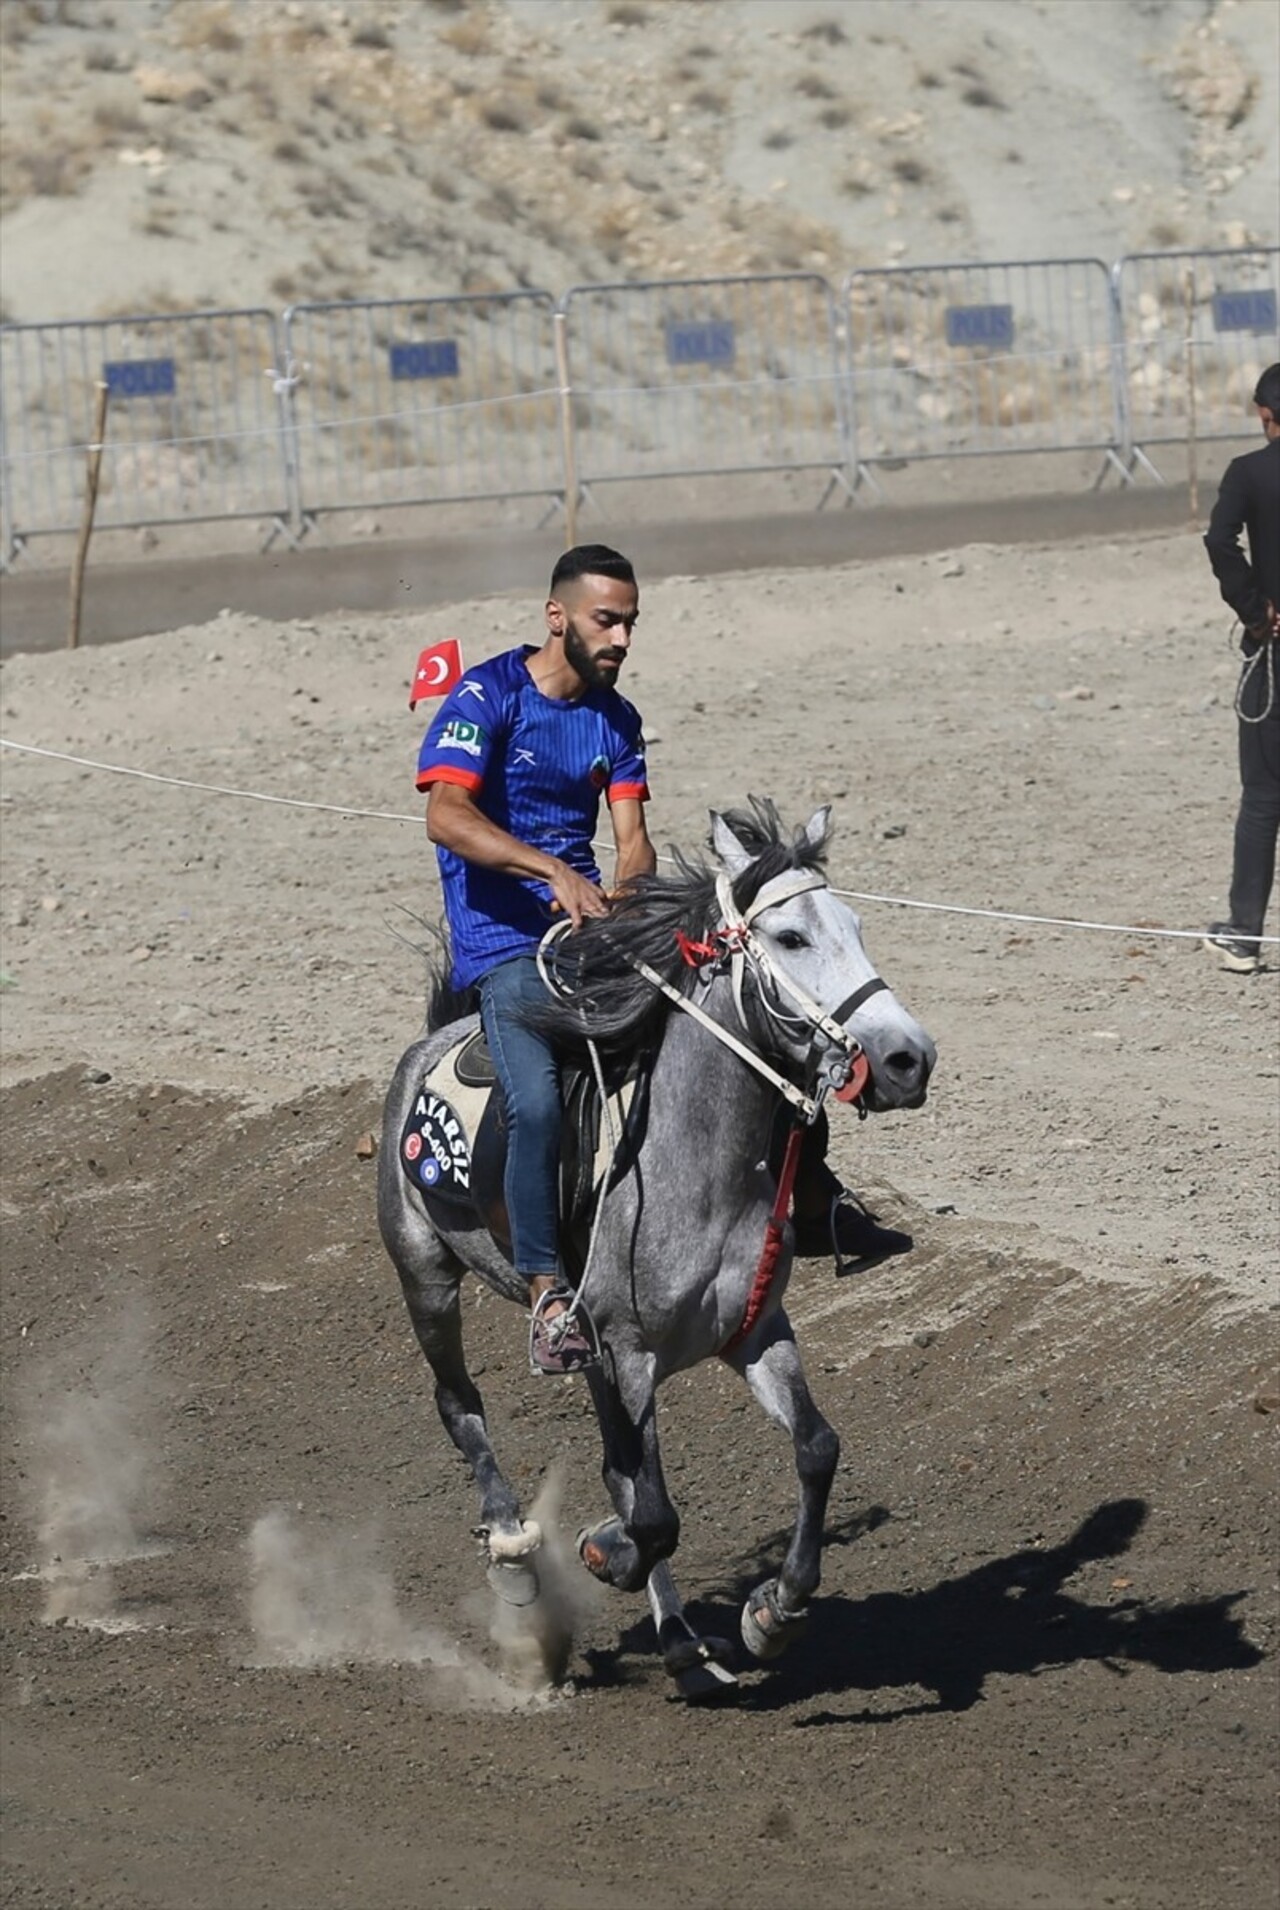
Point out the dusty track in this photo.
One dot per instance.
(132, 598)
(1041, 1669)
(1036, 1675)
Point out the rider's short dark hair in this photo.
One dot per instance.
(1267, 390)
(591, 560)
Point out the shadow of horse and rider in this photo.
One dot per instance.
(1010, 1617)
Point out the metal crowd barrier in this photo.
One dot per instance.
(1196, 330)
(422, 401)
(973, 360)
(702, 377)
(194, 429)
(342, 406)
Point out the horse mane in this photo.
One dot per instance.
(606, 1000)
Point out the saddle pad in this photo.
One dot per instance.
(440, 1130)
(435, 1146)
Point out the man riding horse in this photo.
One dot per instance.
(514, 766)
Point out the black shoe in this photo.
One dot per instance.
(849, 1233)
(1233, 949)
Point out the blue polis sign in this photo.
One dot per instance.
(1244, 311)
(987, 325)
(434, 358)
(700, 342)
(141, 378)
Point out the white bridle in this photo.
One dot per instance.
(742, 948)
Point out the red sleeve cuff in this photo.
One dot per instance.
(446, 773)
(628, 792)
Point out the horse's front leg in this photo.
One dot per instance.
(769, 1361)
(624, 1550)
(700, 1666)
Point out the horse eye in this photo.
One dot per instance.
(791, 938)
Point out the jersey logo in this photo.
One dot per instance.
(460, 733)
(525, 756)
(471, 689)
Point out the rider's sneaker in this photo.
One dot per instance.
(563, 1343)
(849, 1232)
(1233, 949)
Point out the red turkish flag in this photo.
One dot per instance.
(439, 668)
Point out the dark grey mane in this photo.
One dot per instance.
(611, 1003)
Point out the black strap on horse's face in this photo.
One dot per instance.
(859, 1067)
(856, 999)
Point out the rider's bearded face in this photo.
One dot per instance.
(597, 629)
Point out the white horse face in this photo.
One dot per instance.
(815, 940)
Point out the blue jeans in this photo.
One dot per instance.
(529, 1072)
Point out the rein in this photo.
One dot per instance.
(846, 1078)
(735, 942)
(767, 1266)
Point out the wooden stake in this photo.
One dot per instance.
(566, 436)
(92, 470)
(1193, 463)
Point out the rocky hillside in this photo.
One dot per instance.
(173, 154)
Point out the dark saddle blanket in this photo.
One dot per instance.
(453, 1146)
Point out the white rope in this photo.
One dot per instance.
(208, 789)
(1038, 921)
(1265, 655)
(282, 385)
(855, 895)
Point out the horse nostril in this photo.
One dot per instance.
(903, 1062)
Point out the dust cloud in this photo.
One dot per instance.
(536, 1641)
(323, 1598)
(92, 1468)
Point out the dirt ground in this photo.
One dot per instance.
(248, 1651)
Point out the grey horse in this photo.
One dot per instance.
(745, 988)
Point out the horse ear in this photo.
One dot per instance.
(727, 846)
(818, 826)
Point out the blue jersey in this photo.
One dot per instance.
(536, 766)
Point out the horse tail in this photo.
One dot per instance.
(445, 1002)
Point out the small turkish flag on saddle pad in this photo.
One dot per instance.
(439, 667)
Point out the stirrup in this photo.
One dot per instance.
(566, 1344)
(883, 1242)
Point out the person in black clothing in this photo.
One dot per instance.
(1249, 499)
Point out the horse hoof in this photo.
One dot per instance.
(514, 1580)
(767, 1629)
(598, 1546)
(700, 1667)
(511, 1570)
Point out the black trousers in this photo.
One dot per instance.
(1258, 821)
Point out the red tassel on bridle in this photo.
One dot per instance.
(695, 954)
(763, 1282)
